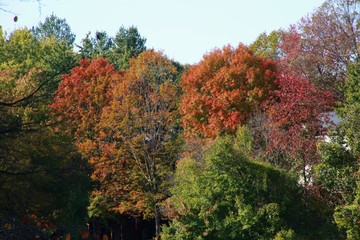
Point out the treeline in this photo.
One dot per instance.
(117, 141)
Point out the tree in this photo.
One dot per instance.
(30, 70)
(95, 47)
(128, 43)
(267, 45)
(350, 109)
(83, 94)
(123, 124)
(54, 27)
(337, 173)
(36, 163)
(137, 145)
(227, 195)
(329, 41)
(347, 218)
(79, 102)
(220, 92)
(346, 180)
(297, 112)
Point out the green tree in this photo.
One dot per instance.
(267, 45)
(97, 46)
(227, 195)
(350, 109)
(338, 177)
(54, 27)
(337, 173)
(128, 43)
(346, 176)
(36, 162)
(347, 218)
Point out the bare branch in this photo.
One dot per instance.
(3, 9)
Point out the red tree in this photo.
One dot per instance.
(220, 92)
(297, 115)
(83, 94)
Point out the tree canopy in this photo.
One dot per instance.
(223, 89)
(112, 140)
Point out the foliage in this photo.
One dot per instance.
(126, 44)
(227, 195)
(36, 163)
(220, 92)
(297, 117)
(328, 40)
(54, 27)
(115, 117)
(347, 218)
(136, 137)
(95, 47)
(337, 173)
(123, 124)
(285, 235)
(350, 109)
(83, 94)
(267, 45)
(347, 213)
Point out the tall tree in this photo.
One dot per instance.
(350, 109)
(97, 46)
(35, 160)
(128, 43)
(54, 27)
(345, 174)
(137, 145)
(123, 124)
(329, 41)
(220, 92)
(297, 112)
(78, 104)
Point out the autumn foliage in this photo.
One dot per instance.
(83, 94)
(297, 112)
(135, 139)
(221, 91)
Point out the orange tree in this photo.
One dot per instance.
(135, 138)
(223, 89)
(123, 123)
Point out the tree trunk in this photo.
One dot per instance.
(157, 221)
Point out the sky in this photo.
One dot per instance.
(184, 30)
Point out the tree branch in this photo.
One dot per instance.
(41, 85)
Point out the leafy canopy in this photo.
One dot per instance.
(222, 90)
(227, 195)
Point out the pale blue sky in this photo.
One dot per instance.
(184, 29)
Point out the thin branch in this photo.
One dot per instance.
(7, 11)
(41, 85)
